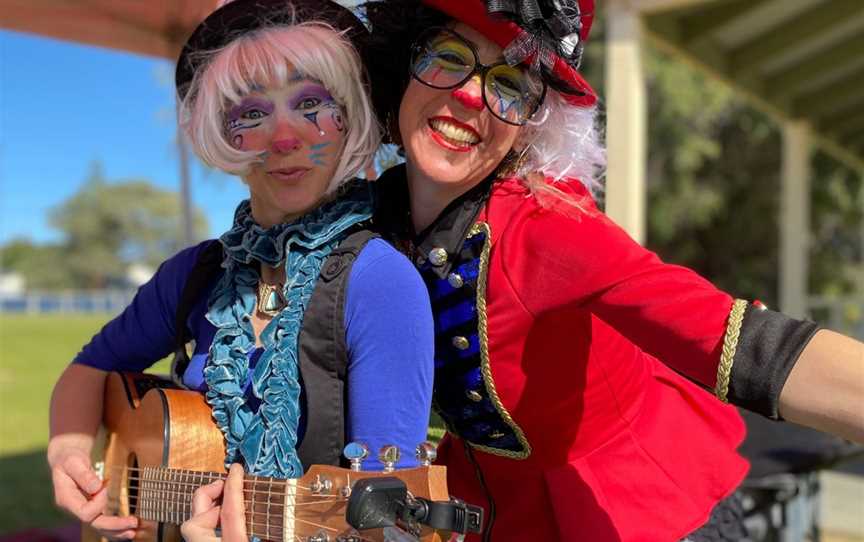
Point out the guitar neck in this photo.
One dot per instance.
(165, 495)
(156, 425)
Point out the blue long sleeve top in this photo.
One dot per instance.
(388, 332)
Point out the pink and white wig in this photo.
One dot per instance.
(268, 57)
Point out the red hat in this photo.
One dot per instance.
(548, 34)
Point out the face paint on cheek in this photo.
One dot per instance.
(313, 118)
(313, 101)
(249, 114)
(317, 155)
(327, 119)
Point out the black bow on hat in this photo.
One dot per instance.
(550, 30)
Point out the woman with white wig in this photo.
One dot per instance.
(309, 331)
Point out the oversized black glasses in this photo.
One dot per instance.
(441, 58)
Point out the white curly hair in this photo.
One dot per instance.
(562, 142)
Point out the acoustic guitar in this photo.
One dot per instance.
(160, 445)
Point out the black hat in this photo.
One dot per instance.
(240, 17)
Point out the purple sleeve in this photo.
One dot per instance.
(390, 337)
(144, 332)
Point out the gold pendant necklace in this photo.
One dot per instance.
(271, 300)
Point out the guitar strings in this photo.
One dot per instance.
(153, 484)
(164, 507)
(177, 489)
(271, 528)
(250, 480)
(270, 531)
(250, 486)
(208, 476)
(162, 495)
(169, 488)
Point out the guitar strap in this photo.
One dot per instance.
(203, 274)
(322, 352)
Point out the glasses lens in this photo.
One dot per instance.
(442, 60)
(512, 94)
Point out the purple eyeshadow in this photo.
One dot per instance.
(248, 104)
(310, 91)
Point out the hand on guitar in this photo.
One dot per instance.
(77, 489)
(207, 514)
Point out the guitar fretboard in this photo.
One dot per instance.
(165, 495)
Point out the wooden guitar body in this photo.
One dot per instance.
(149, 422)
(161, 444)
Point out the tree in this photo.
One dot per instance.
(713, 182)
(108, 226)
(714, 191)
(41, 265)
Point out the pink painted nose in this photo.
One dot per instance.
(284, 146)
(467, 99)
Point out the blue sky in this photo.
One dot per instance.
(64, 106)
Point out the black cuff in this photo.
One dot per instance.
(768, 347)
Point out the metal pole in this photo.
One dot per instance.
(185, 191)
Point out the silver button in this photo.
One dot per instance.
(474, 396)
(455, 280)
(496, 434)
(461, 342)
(438, 256)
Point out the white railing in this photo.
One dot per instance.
(845, 315)
(66, 302)
(842, 314)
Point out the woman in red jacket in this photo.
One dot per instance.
(582, 380)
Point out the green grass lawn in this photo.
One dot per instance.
(34, 350)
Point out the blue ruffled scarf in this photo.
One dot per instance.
(266, 440)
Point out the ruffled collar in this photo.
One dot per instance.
(266, 440)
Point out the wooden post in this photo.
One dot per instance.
(625, 119)
(795, 219)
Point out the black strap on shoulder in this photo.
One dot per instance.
(202, 274)
(323, 355)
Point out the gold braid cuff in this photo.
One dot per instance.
(730, 344)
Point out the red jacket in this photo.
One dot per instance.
(615, 444)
